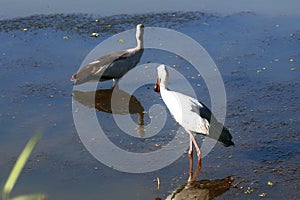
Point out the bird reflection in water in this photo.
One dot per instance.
(202, 189)
(122, 103)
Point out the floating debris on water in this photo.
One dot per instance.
(121, 41)
(276, 60)
(157, 180)
(291, 60)
(260, 70)
(97, 20)
(66, 37)
(248, 190)
(263, 194)
(293, 68)
(158, 183)
(238, 183)
(270, 183)
(24, 29)
(277, 25)
(95, 35)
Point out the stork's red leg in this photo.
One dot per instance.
(191, 147)
(192, 176)
(191, 168)
(191, 160)
(192, 138)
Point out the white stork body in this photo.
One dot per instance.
(182, 108)
(191, 114)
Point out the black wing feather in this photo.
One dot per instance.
(216, 130)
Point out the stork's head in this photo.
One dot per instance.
(162, 78)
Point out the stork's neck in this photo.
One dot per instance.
(139, 46)
(139, 40)
(164, 82)
(165, 94)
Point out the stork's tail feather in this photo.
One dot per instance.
(225, 137)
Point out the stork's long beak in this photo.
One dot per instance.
(156, 87)
(74, 79)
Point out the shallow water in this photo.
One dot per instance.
(258, 58)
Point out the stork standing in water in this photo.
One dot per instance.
(191, 114)
(113, 65)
